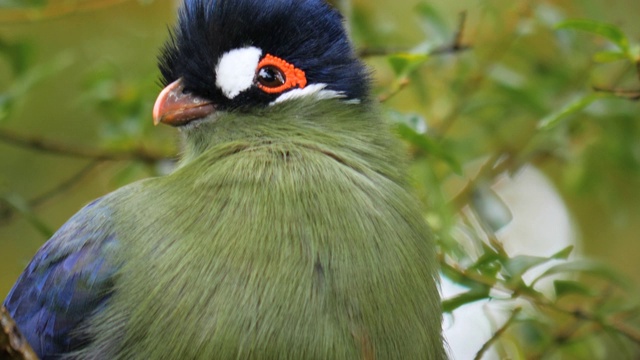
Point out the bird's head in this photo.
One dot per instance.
(235, 56)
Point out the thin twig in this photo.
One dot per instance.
(633, 95)
(401, 85)
(53, 147)
(489, 170)
(612, 323)
(64, 186)
(7, 212)
(616, 326)
(498, 333)
(455, 46)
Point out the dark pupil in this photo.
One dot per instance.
(271, 76)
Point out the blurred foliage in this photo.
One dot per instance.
(477, 90)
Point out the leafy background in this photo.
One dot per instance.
(479, 90)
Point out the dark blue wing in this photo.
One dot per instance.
(69, 279)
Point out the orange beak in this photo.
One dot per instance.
(175, 108)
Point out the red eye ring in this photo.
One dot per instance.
(287, 75)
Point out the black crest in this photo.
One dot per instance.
(306, 33)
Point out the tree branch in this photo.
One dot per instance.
(610, 323)
(633, 95)
(64, 186)
(489, 170)
(398, 88)
(53, 147)
(487, 345)
(13, 346)
(455, 46)
(7, 211)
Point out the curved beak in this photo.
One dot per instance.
(175, 108)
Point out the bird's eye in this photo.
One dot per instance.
(275, 75)
(271, 77)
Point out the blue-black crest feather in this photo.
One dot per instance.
(306, 33)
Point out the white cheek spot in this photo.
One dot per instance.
(317, 91)
(236, 70)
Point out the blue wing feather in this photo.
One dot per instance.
(69, 279)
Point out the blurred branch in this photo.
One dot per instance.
(7, 211)
(398, 88)
(456, 45)
(522, 291)
(487, 345)
(581, 314)
(54, 11)
(64, 186)
(13, 203)
(53, 147)
(564, 335)
(489, 170)
(633, 95)
(366, 52)
(13, 346)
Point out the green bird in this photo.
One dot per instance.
(287, 231)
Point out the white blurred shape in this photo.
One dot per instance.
(541, 226)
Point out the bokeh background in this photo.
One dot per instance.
(494, 96)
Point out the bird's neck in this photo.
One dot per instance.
(354, 131)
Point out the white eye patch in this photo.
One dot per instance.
(236, 70)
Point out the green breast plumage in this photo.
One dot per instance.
(270, 248)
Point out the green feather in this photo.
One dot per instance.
(286, 233)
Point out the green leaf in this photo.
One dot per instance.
(518, 265)
(489, 263)
(587, 267)
(568, 287)
(563, 254)
(610, 32)
(555, 119)
(473, 295)
(405, 63)
(609, 56)
(457, 276)
(18, 54)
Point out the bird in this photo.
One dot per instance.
(288, 229)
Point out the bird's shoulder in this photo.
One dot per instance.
(68, 279)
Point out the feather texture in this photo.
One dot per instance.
(70, 278)
(293, 238)
(287, 231)
(306, 33)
